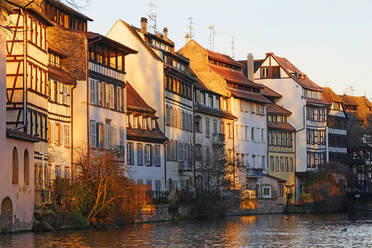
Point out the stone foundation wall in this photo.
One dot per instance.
(161, 213)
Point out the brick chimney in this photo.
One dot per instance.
(144, 24)
(165, 33)
(250, 67)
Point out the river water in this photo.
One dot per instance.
(325, 230)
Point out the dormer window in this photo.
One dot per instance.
(264, 72)
(54, 60)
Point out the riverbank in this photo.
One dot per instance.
(306, 230)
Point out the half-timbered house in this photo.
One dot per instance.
(303, 98)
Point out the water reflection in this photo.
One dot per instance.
(248, 231)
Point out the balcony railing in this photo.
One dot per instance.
(218, 139)
(336, 131)
(254, 172)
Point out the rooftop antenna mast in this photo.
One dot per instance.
(190, 27)
(233, 47)
(212, 35)
(152, 17)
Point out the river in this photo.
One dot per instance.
(323, 230)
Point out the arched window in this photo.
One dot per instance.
(26, 168)
(15, 166)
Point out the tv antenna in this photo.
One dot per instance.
(233, 47)
(152, 17)
(212, 35)
(190, 27)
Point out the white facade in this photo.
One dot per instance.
(144, 71)
(147, 164)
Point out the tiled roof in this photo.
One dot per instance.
(60, 75)
(312, 101)
(250, 96)
(135, 101)
(296, 74)
(154, 135)
(234, 76)
(330, 96)
(266, 91)
(215, 112)
(280, 125)
(56, 50)
(276, 109)
(223, 57)
(363, 107)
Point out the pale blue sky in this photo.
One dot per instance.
(330, 40)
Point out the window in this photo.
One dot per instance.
(275, 72)
(214, 126)
(272, 163)
(207, 128)
(266, 191)
(157, 156)
(15, 166)
(264, 72)
(58, 134)
(277, 164)
(107, 136)
(253, 161)
(66, 136)
(241, 105)
(26, 168)
(263, 162)
(291, 164)
(148, 155)
(252, 135)
(122, 136)
(157, 185)
(130, 152)
(180, 151)
(286, 165)
(139, 154)
(281, 164)
(168, 118)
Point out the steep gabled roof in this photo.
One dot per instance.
(143, 42)
(135, 102)
(256, 64)
(276, 109)
(300, 77)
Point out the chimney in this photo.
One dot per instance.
(165, 33)
(250, 67)
(187, 38)
(144, 24)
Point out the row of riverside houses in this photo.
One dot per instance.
(157, 110)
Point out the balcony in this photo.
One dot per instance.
(218, 139)
(184, 166)
(336, 131)
(254, 172)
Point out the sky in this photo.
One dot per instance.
(329, 40)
